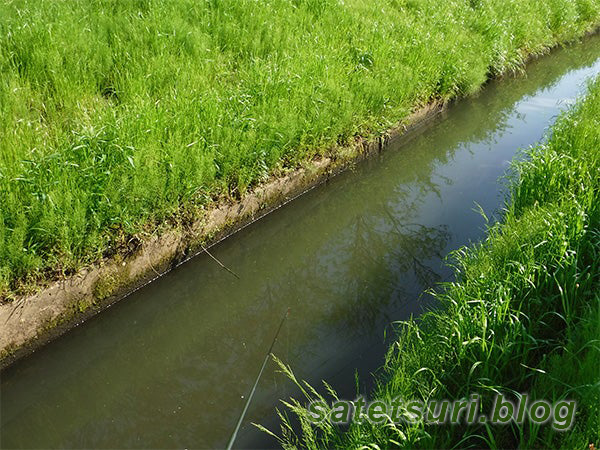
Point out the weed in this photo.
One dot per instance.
(114, 115)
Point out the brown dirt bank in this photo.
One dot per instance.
(31, 321)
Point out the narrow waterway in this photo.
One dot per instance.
(171, 365)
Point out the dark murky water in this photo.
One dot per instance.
(168, 366)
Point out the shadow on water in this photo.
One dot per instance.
(170, 366)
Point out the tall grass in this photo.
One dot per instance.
(115, 114)
(523, 315)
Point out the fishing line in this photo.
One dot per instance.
(264, 364)
(219, 262)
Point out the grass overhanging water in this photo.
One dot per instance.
(523, 315)
(116, 116)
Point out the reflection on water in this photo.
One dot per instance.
(169, 366)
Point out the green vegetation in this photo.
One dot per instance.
(116, 115)
(523, 315)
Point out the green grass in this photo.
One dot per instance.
(118, 115)
(523, 315)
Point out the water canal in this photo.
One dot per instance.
(170, 365)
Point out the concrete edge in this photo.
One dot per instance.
(32, 321)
